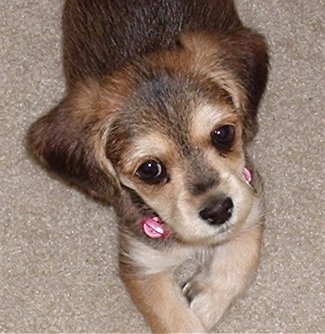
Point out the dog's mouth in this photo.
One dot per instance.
(154, 228)
(150, 223)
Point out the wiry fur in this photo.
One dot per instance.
(150, 79)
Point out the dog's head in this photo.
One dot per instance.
(168, 130)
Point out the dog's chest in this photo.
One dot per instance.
(185, 260)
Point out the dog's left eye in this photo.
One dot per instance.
(152, 172)
(222, 138)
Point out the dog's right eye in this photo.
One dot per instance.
(152, 172)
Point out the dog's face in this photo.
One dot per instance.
(171, 129)
(187, 165)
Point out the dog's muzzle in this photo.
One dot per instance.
(219, 210)
(216, 213)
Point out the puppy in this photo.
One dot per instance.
(161, 102)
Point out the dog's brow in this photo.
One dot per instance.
(150, 145)
(207, 116)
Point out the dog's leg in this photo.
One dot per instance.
(212, 291)
(160, 300)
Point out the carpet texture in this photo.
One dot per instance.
(58, 247)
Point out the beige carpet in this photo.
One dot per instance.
(58, 249)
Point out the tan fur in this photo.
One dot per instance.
(160, 301)
(227, 277)
(139, 92)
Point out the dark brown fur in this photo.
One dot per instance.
(141, 68)
(103, 35)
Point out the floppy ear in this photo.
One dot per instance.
(247, 58)
(70, 140)
(238, 63)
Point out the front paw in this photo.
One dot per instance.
(204, 306)
(206, 303)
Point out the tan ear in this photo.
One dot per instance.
(238, 62)
(70, 140)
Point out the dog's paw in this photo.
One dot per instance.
(205, 307)
(206, 303)
(193, 288)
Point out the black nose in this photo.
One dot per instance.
(218, 211)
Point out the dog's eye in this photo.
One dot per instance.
(223, 137)
(152, 171)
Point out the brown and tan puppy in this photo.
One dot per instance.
(162, 97)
